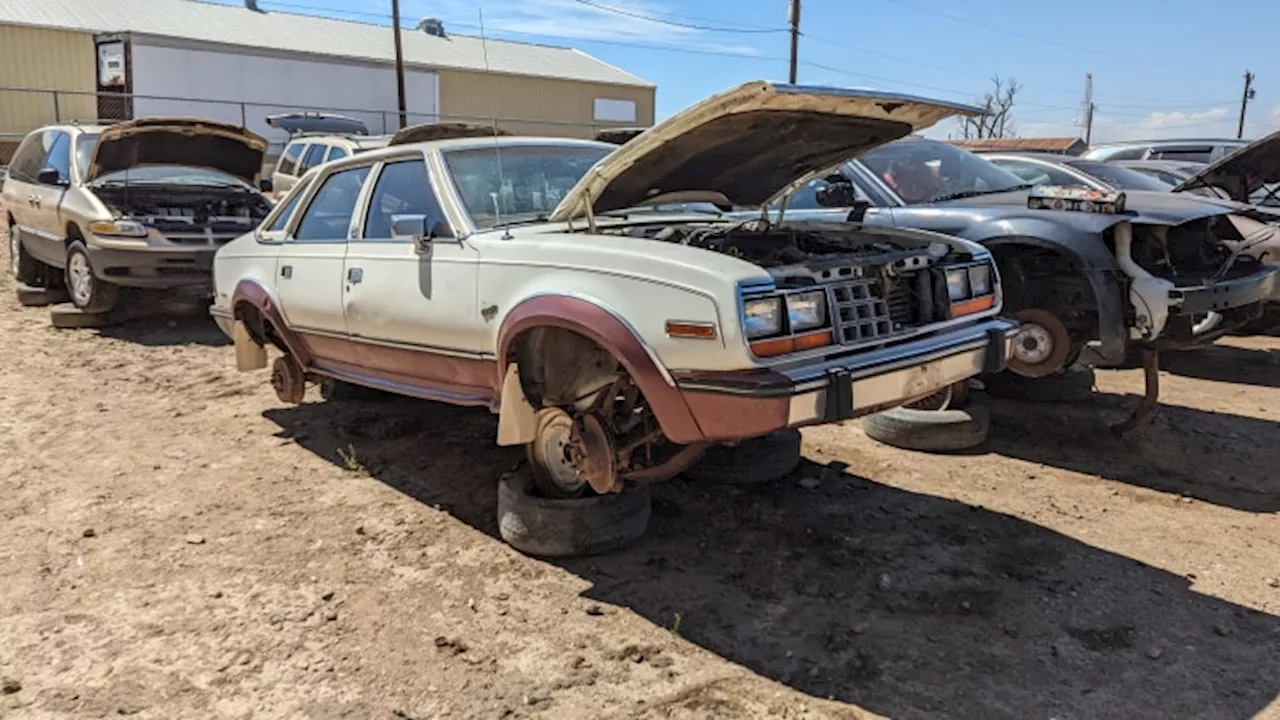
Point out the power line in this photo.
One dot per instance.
(673, 23)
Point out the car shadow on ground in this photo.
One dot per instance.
(1167, 452)
(157, 318)
(908, 605)
(1225, 363)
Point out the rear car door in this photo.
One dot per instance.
(396, 292)
(309, 265)
(19, 186)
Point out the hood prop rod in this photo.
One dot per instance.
(1151, 399)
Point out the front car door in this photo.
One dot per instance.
(309, 278)
(412, 306)
(47, 219)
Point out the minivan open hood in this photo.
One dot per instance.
(745, 145)
(1243, 172)
(178, 141)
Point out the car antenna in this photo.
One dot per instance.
(497, 150)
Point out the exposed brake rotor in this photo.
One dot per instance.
(287, 380)
(1041, 345)
(591, 449)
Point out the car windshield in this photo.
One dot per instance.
(152, 175)
(1120, 178)
(924, 171)
(508, 183)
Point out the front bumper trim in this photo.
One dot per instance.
(1262, 286)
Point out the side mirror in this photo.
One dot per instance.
(409, 227)
(835, 195)
(50, 176)
(266, 185)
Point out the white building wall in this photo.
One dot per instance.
(271, 85)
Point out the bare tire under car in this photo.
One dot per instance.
(756, 460)
(87, 292)
(67, 316)
(930, 430)
(589, 525)
(1073, 384)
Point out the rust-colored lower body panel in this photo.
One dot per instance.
(462, 381)
(723, 417)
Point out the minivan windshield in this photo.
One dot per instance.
(925, 171)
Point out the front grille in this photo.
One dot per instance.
(859, 313)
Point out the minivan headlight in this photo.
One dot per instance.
(762, 317)
(118, 228)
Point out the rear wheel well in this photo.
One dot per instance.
(561, 368)
(258, 325)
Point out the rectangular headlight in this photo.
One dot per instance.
(762, 317)
(120, 228)
(807, 310)
(958, 283)
(980, 279)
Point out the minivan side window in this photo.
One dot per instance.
(289, 161)
(314, 156)
(335, 153)
(59, 157)
(25, 165)
(328, 217)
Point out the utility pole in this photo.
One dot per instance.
(1088, 108)
(1244, 102)
(395, 24)
(795, 36)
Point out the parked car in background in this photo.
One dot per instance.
(1183, 150)
(143, 203)
(615, 342)
(306, 151)
(1043, 169)
(1169, 172)
(1158, 275)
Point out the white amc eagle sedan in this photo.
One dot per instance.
(595, 298)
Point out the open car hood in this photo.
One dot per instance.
(178, 141)
(744, 146)
(1243, 172)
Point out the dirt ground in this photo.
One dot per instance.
(178, 544)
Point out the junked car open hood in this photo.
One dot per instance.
(190, 142)
(1243, 172)
(744, 146)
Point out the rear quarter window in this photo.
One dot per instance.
(289, 160)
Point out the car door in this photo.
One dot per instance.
(47, 197)
(416, 296)
(309, 278)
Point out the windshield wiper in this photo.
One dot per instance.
(527, 221)
(975, 193)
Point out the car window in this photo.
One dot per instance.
(515, 183)
(85, 145)
(59, 155)
(1037, 174)
(281, 220)
(402, 189)
(25, 165)
(335, 153)
(289, 161)
(328, 217)
(313, 157)
(1121, 178)
(1127, 154)
(922, 171)
(1193, 154)
(805, 197)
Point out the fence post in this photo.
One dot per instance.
(57, 112)
(383, 113)
(244, 121)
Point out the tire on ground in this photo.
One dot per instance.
(26, 269)
(589, 525)
(338, 391)
(66, 316)
(930, 430)
(29, 296)
(1073, 384)
(102, 296)
(757, 460)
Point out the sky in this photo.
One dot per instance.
(1161, 68)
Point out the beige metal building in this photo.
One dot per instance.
(116, 59)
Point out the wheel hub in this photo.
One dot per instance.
(592, 452)
(287, 380)
(1041, 345)
(80, 278)
(15, 247)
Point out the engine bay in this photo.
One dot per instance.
(798, 255)
(174, 208)
(1194, 253)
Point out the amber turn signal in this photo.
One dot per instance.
(976, 305)
(782, 346)
(700, 331)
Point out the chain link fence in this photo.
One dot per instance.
(25, 109)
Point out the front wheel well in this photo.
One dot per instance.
(1033, 276)
(73, 232)
(560, 367)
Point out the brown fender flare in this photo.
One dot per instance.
(605, 329)
(251, 293)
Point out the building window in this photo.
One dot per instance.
(615, 110)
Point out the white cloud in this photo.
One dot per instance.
(573, 20)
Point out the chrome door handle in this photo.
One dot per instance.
(355, 275)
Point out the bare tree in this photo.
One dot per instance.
(998, 120)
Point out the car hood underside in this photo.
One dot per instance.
(1243, 172)
(178, 141)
